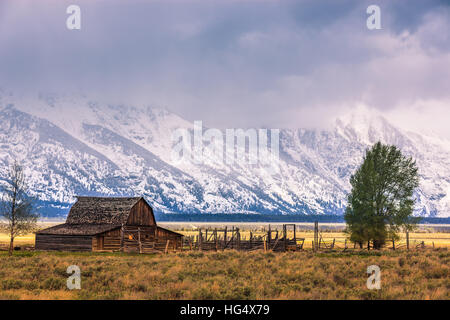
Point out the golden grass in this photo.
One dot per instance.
(23, 240)
(417, 274)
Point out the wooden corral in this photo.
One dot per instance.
(222, 239)
(109, 224)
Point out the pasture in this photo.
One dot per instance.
(420, 273)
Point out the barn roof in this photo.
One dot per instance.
(98, 210)
(94, 215)
(79, 229)
(170, 231)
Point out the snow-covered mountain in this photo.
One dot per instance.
(73, 145)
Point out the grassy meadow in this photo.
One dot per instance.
(417, 274)
(331, 274)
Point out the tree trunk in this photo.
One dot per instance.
(377, 244)
(11, 246)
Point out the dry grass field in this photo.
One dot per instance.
(418, 274)
(414, 274)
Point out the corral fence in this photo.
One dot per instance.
(222, 239)
(219, 239)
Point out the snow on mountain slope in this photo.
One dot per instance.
(74, 145)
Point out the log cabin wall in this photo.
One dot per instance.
(150, 239)
(63, 242)
(137, 239)
(108, 241)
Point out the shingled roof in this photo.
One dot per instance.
(93, 215)
(96, 210)
(79, 229)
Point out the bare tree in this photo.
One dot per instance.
(16, 207)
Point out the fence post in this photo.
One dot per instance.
(407, 240)
(224, 238)
(393, 244)
(316, 236)
(139, 240)
(167, 247)
(215, 238)
(238, 239)
(200, 240)
(232, 237)
(121, 239)
(295, 237)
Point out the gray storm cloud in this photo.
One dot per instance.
(237, 63)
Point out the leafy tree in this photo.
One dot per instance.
(15, 206)
(381, 200)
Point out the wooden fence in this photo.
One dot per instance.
(279, 241)
(222, 239)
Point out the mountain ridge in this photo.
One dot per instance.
(74, 145)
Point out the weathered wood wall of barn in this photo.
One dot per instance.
(175, 239)
(150, 239)
(141, 215)
(109, 241)
(63, 242)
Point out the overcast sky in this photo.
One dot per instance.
(238, 63)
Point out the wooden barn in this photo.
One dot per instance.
(109, 224)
